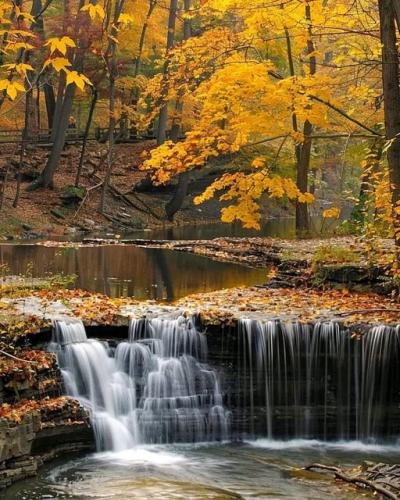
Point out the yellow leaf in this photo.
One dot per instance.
(126, 19)
(73, 77)
(60, 44)
(13, 88)
(58, 63)
(21, 68)
(258, 162)
(94, 11)
(331, 213)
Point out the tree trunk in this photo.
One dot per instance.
(176, 202)
(50, 103)
(112, 121)
(138, 60)
(85, 136)
(303, 165)
(391, 93)
(65, 98)
(31, 128)
(46, 177)
(31, 115)
(303, 160)
(163, 116)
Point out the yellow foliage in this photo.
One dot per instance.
(331, 213)
(60, 44)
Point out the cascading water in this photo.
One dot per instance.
(287, 380)
(155, 388)
(303, 381)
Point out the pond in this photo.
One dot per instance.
(120, 271)
(255, 470)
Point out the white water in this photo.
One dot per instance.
(321, 381)
(155, 388)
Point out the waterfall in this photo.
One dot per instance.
(320, 381)
(154, 388)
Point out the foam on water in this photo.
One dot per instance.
(317, 445)
(142, 456)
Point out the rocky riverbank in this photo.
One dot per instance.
(335, 262)
(37, 423)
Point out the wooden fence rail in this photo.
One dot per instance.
(74, 135)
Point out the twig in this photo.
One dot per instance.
(15, 357)
(354, 480)
(119, 194)
(88, 191)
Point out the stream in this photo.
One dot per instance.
(162, 418)
(256, 470)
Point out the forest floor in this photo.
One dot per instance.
(56, 212)
(24, 313)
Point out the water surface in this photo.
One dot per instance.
(282, 227)
(257, 470)
(120, 271)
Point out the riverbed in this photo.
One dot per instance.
(254, 470)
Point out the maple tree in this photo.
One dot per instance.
(261, 85)
(262, 93)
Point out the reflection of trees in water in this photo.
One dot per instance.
(162, 264)
(131, 271)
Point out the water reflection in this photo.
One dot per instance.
(120, 271)
(276, 228)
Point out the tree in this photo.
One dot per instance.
(163, 115)
(260, 86)
(391, 93)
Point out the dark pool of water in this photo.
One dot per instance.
(259, 470)
(130, 271)
(276, 228)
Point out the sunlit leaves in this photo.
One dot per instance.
(58, 63)
(80, 80)
(126, 19)
(11, 88)
(331, 213)
(20, 68)
(94, 10)
(60, 44)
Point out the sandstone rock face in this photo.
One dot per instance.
(36, 424)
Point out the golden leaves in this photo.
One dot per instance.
(47, 406)
(80, 80)
(58, 63)
(60, 44)
(246, 189)
(20, 68)
(11, 88)
(94, 10)
(331, 213)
